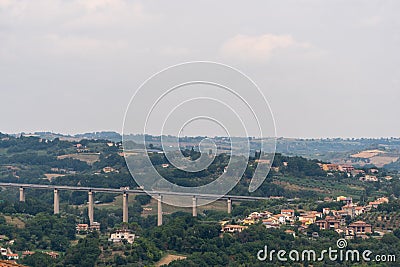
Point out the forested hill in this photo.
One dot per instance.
(327, 149)
(99, 163)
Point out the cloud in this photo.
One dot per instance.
(82, 45)
(370, 21)
(92, 28)
(259, 48)
(72, 15)
(172, 51)
(106, 14)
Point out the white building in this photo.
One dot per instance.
(121, 235)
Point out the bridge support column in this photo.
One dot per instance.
(125, 207)
(194, 206)
(90, 208)
(56, 201)
(229, 206)
(159, 210)
(21, 194)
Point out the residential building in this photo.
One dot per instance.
(353, 210)
(275, 169)
(82, 227)
(326, 211)
(95, 226)
(349, 209)
(249, 221)
(281, 218)
(121, 235)
(271, 223)
(328, 223)
(266, 214)
(342, 213)
(52, 254)
(346, 168)
(290, 232)
(373, 170)
(359, 228)
(359, 210)
(314, 213)
(7, 263)
(109, 169)
(12, 256)
(307, 219)
(369, 178)
(383, 200)
(255, 215)
(330, 167)
(27, 253)
(289, 212)
(230, 228)
(379, 201)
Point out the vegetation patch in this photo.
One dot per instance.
(12, 220)
(89, 158)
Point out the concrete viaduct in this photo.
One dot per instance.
(125, 193)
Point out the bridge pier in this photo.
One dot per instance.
(125, 207)
(194, 211)
(90, 208)
(56, 201)
(229, 206)
(21, 194)
(159, 210)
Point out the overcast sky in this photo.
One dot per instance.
(327, 68)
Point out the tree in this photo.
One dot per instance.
(85, 253)
(39, 260)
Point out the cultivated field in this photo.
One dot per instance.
(89, 158)
(168, 259)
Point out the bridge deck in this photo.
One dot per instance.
(130, 191)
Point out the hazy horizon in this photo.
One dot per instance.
(287, 137)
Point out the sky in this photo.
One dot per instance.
(327, 68)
